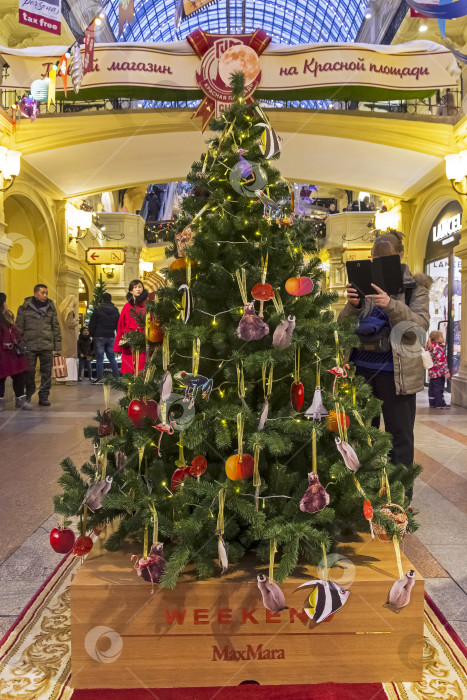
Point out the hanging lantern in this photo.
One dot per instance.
(40, 89)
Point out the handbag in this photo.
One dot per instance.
(59, 368)
(20, 349)
(427, 359)
(124, 344)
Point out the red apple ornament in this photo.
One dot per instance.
(83, 546)
(143, 413)
(297, 396)
(62, 540)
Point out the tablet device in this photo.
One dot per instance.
(360, 276)
(385, 272)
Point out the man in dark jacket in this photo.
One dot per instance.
(102, 327)
(38, 323)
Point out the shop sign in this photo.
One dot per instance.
(41, 14)
(444, 232)
(447, 227)
(172, 71)
(105, 256)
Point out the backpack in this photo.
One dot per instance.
(374, 333)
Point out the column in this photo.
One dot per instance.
(5, 244)
(459, 382)
(337, 277)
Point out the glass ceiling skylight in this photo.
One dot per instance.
(288, 22)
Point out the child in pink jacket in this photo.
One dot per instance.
(439, 372)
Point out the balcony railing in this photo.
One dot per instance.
(444, 106)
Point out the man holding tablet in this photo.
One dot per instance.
(392, 318)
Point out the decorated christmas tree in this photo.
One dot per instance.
(246, 431)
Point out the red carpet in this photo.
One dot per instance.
(325, 691)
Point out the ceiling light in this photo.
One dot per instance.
(367, 12)
(422, 28)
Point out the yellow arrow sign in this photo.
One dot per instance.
(105, 256)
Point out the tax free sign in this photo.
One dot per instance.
(307, 71)
(41, 14)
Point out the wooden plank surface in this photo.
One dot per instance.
(217, 632)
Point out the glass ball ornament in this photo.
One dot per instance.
(29, 107)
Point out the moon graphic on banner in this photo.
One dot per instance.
(239, 58)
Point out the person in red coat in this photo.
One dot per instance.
(12, 364)
(137, 298)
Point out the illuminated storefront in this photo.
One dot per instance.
(445, 269)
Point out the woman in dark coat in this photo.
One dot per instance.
(12, 364)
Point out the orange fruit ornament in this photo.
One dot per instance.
(331, 421)
(299, 286)
(180, 264)
(155, 332)
(236, 469)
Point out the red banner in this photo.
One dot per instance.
(88, 59)
(220, 56)
(126, 13)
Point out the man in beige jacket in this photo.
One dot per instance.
(395, 372)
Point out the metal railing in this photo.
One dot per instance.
(444, 105)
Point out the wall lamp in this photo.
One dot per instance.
(10, 164)
(78, 222)
(108, 270)
(456, 171)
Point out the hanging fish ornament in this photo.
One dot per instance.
(188, 303)
(315, 497)
(325, 599)
(273, 597)
(317, 410)
(348, 455)
(271, 143)
(76, 68)
(222, 553)
(399, 595)
(282, 337)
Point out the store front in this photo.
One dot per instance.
(445, 269)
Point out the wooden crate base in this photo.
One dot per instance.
(217, 632)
